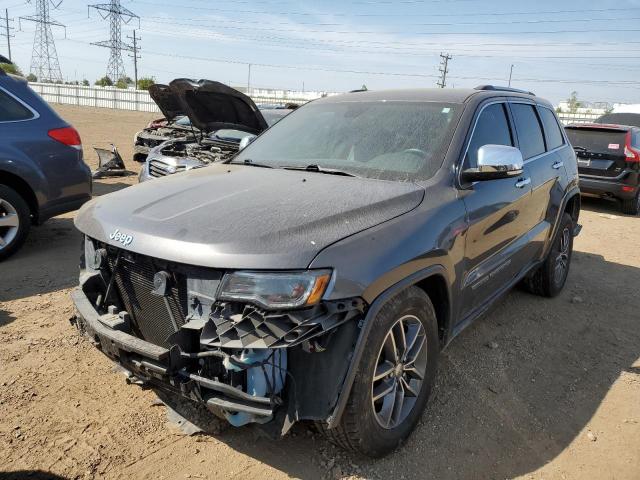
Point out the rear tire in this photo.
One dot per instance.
(376, 426)
(15, 221)
(549, 279)
(631, 206)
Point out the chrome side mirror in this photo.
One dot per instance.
(246, 141)
(494, 162)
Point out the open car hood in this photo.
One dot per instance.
(213, 106)
(167, 101)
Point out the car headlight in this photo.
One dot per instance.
(275, 290)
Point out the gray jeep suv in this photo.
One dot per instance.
(42, 173)
(317, 275)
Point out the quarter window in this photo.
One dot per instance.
(529, 131)
(552, 131)
(11, 110)
(492, 128)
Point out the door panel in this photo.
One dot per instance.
(496, 239)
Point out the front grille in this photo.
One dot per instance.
(134, 283)
(158, 168)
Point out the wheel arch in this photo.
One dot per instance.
(23, 189)
(573, 205)
(433, 281)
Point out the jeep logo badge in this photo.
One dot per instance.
(121, 237)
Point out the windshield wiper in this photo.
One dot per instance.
(317, 169)
(251, 163)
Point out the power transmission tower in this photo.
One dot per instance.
(44, 58)
(7, 30)
(444, 69)
(135, 56)
(117, 14)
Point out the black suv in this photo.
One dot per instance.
(609, 160)
(318, 273)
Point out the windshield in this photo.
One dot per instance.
(402, 141)
(231, 135)
(184, 121)
(274, 116)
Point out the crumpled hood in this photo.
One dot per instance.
(167, 101)
(213, 106)
(235, 216)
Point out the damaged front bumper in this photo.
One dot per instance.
(273, 387)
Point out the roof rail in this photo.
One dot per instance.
(503, 89)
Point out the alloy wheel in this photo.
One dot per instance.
(400, 371)
(9, 223)
(562, 258)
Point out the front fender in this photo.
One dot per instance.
(365, 328)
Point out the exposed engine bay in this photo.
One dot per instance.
(168, 326)
(207, 150)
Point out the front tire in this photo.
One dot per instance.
(549, 279)
(15, 221)
(394, 379)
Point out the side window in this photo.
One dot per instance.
(12, 110)
(529, 130)
(492, 128)
(552, 130)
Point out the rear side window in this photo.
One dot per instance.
(11, 110)
(552, 131)
(492, 128)
(635, 138)
(528, 128)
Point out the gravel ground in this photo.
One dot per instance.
(537, 388)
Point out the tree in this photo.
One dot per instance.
(104, 82)
(573, 102)
(85, 82)
(145, 82)
(32, 78)
(10, 68)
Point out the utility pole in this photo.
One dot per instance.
(116, 14)
(7, 31)
(444, 69)
(510, 74)
(44, 58)
(135, 56)
(249, 79)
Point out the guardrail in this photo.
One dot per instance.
(140, 100)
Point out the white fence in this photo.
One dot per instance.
(580, 117)
(140, 100)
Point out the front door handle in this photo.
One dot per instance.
(558, 165)
(523, 182)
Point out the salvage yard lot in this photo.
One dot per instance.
(536, 389)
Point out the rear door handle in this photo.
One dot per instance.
(558, 165)
(523, 182)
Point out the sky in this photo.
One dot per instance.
(555, 46)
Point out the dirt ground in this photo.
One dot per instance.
(538, 388)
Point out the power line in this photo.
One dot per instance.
(116, 14)
(444, 69)
(44, 57)
(387, 15)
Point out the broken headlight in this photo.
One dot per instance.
(275, 290)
